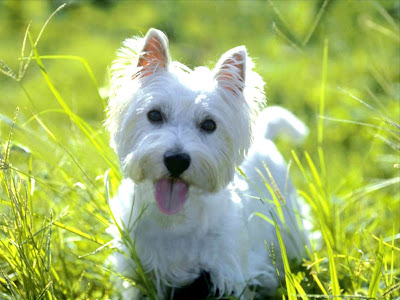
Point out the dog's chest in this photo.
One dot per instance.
(209, 242)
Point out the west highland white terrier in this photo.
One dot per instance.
(192, 214)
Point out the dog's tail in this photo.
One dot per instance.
(276, 120)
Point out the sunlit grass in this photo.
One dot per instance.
(58, 177)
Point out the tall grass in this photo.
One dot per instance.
(35, 259)
(54, 196)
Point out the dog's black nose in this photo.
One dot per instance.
(176, 163)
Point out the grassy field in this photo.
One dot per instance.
(335, 64)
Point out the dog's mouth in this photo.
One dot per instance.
(171, 195)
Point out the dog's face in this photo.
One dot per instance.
(179, 128)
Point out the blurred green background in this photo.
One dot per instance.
(363, 56)
(286, 40)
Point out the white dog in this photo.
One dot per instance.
(179, 135)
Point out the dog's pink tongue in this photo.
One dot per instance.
(170, 195)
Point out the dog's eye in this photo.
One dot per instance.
(155, 116)
(208, 126)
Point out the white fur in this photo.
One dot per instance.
(216, 230)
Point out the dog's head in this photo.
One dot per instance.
(176, 127)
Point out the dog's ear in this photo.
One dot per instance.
(230, 72)
(155, 54)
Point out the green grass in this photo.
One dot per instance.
(335, 64)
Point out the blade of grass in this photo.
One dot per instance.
(316, 198)
(391, 246)
(109, 244)
(361, 192)
(278, 14)
(274, 196)
(291, 283)
(388, 120)
(314, 172)
(390, 292)
(274, 185)
(386, 15)
(322, 107)
(6, 70)
(84, 127)
(70, 155)
(381, 29)
(28, 260)
(316, 22)
(391, 282)
(23, 65)
(50, 186)
(38, 38)
(80, 233)
(291, 290)
(85, 65)
(47, 111)
(316, 279)
(308, 199)
(10, 285)
(361, 124)
(318, 192)
(45, 291)
(285, 38)
(374, 283)
(332, 267)
(7, 151)
(265, 218)
(288, 36)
